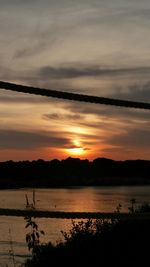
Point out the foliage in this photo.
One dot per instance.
(100, 242)
(33, 237)
(145, 207)
(132, 207)
(80, 244)
(86, 230)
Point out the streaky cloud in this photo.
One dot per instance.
(28, 140)
(56, 116)
(88, 71)
(133, 138)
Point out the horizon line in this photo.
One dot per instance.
(75, 158)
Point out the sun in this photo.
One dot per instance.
(76, 143)
(77, 149)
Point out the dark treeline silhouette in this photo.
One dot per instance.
(73, 172)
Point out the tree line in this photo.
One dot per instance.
(73, 172)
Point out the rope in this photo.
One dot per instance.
(73, 96)
(74, 215)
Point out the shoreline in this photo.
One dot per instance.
(73, 186)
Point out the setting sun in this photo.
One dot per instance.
(76, 151)
(76, 142)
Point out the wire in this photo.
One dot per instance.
(73, 96)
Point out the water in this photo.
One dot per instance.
(70, 199)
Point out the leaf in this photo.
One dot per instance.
(37, 234)
(33, 236)
(42, 232)
(34, 225)
(30, 246)
(28, 238)
(27, 225)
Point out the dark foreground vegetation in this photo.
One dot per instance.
(73, 172)
(115, 243)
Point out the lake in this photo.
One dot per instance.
(98, 199)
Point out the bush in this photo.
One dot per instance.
(101, 242)
(80, 245)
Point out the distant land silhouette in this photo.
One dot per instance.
(73, 172)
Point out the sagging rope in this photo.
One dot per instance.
(73, 96)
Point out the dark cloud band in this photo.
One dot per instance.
(89, 71)
(25, 140)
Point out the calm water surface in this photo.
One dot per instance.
(69, 199)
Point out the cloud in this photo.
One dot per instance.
(135, 92)
(133, 138)
(56, 116)
(13, 97)
(117, 149)
(89, 71)
(40, 41)
(29, 140)
(74, 147)
(91, 124)
(25, 140)
(108, 112)
(30, 51)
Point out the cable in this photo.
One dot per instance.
(73, 96)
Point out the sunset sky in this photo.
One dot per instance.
(95, 47)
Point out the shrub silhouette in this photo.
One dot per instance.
(101, 242)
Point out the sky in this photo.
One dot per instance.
(95, 47)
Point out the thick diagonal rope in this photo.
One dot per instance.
(73, 96)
